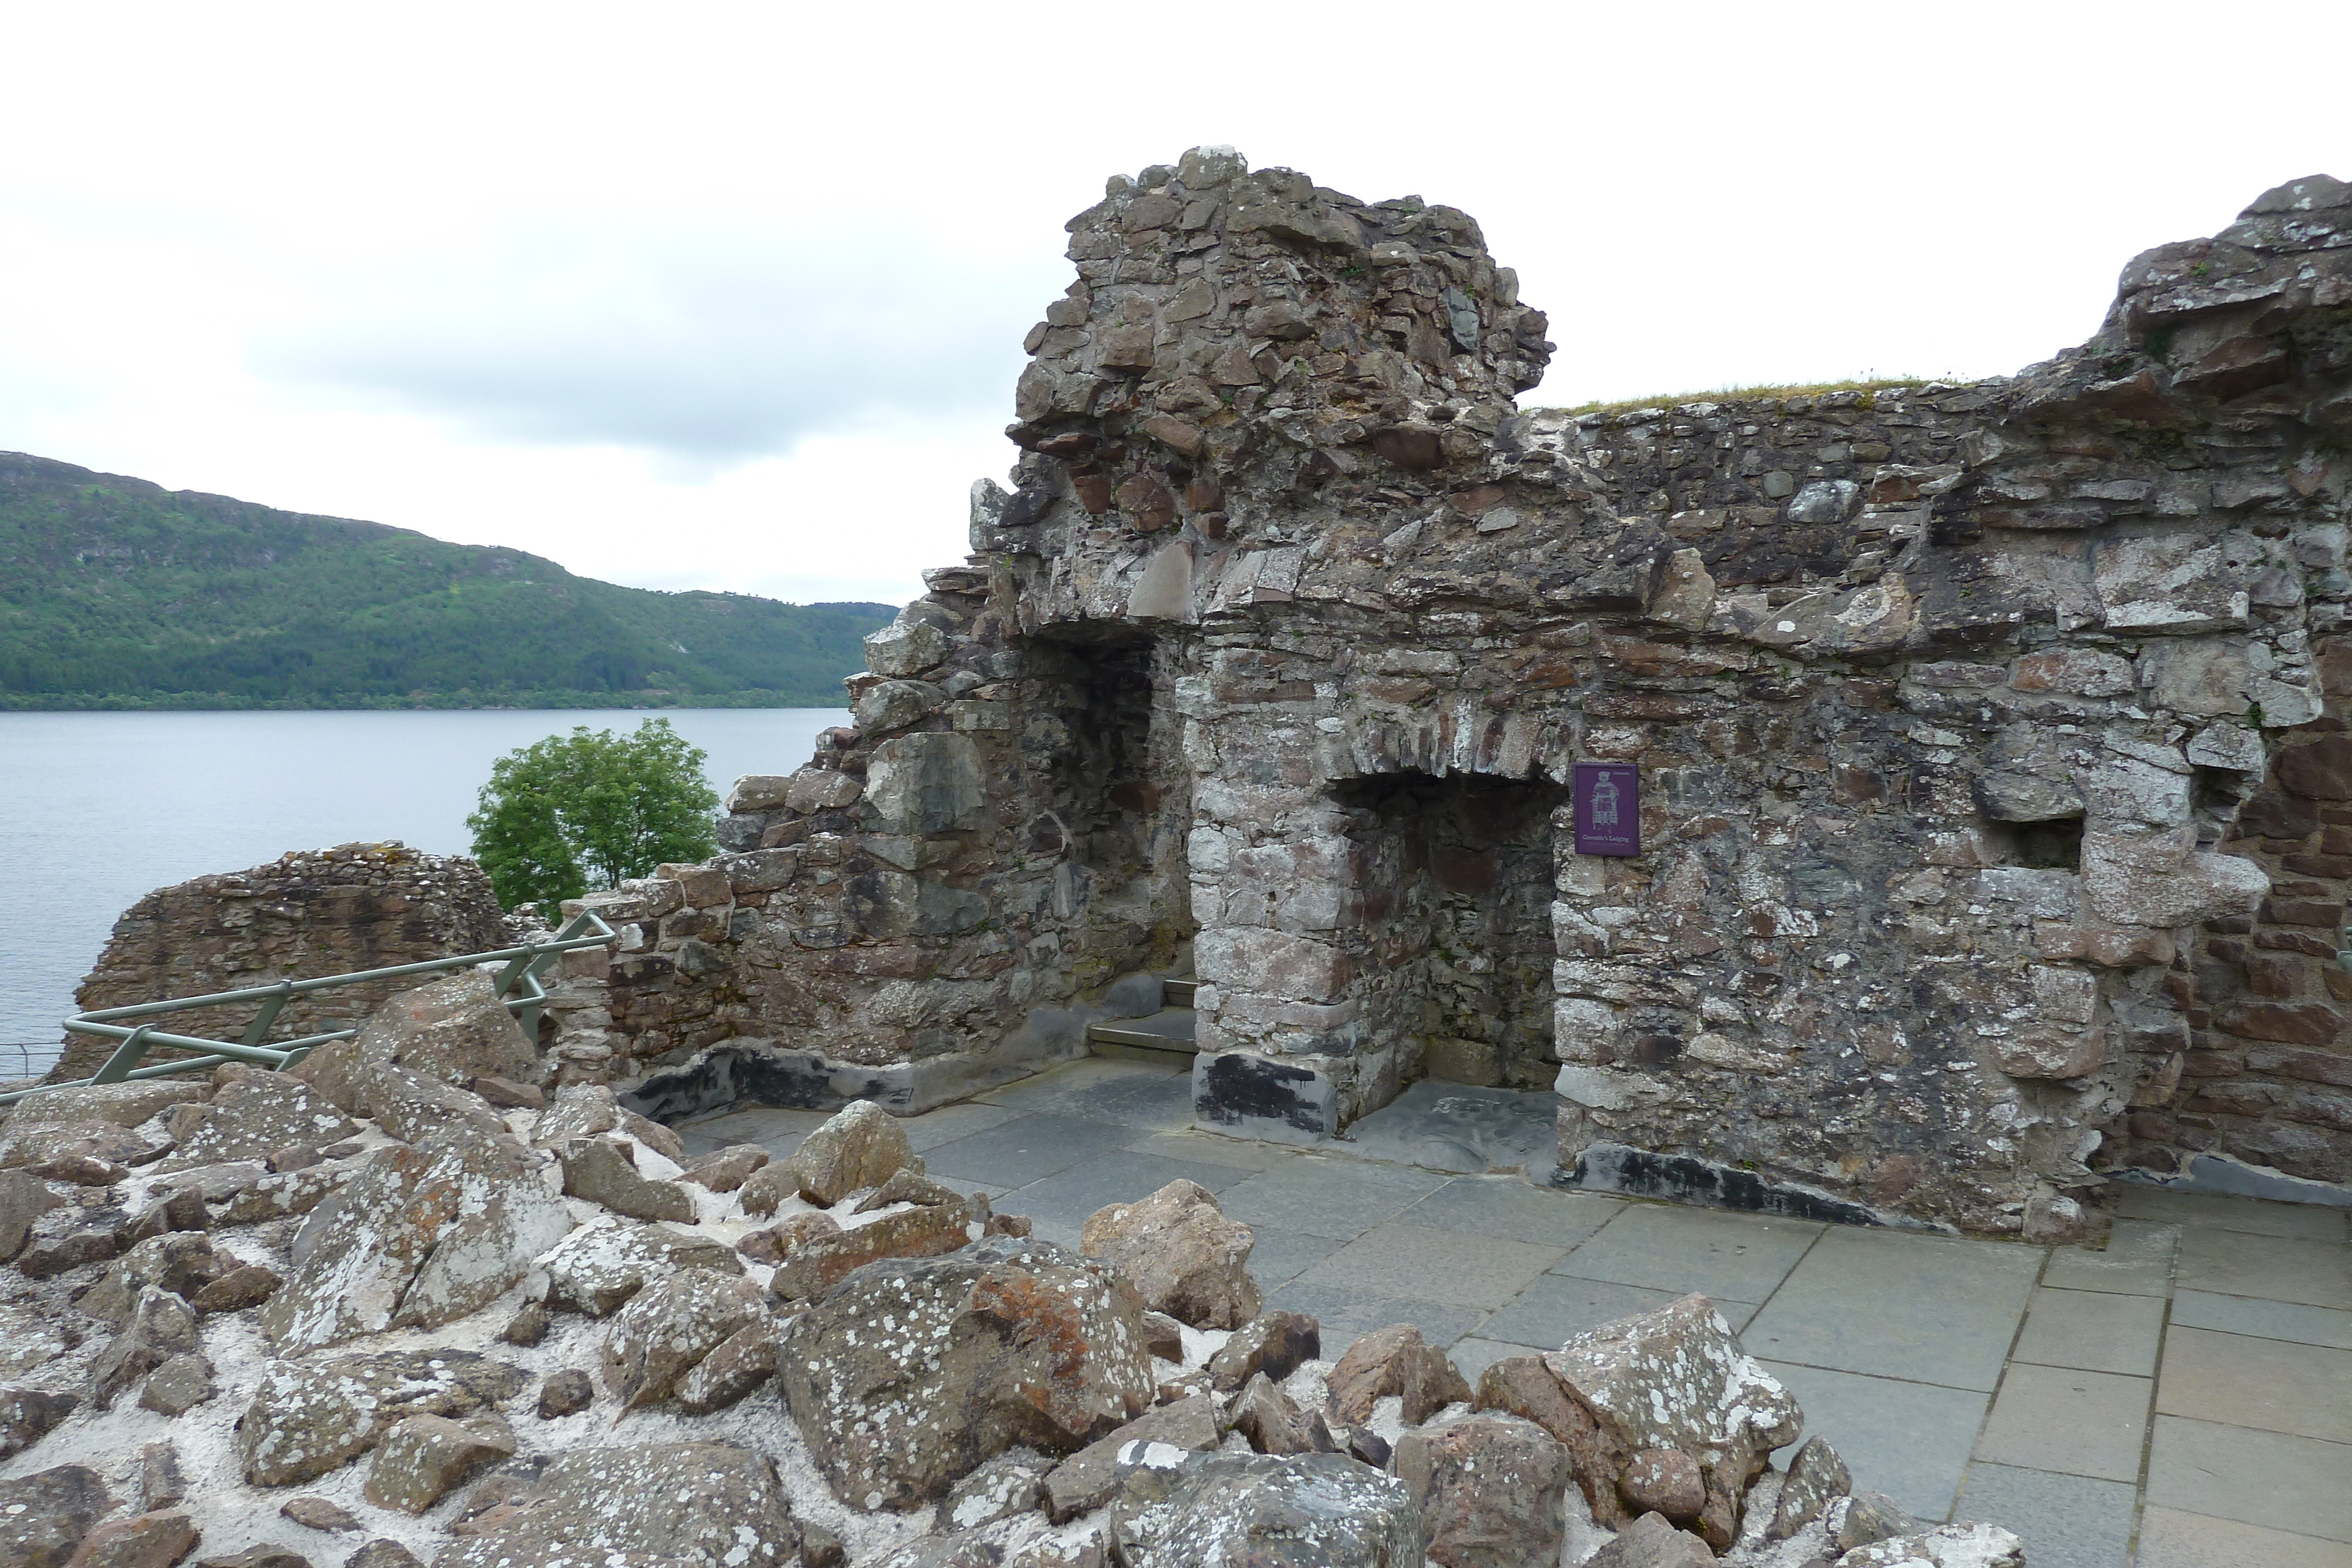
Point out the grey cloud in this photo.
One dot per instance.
(730, 349)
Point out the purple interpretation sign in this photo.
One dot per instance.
(1608, 808)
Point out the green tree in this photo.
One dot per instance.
(587, 810)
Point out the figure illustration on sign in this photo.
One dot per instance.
(1604, 803)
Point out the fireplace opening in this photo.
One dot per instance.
(1455, 948)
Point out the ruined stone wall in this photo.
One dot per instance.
(1948, 702)
(311, 912)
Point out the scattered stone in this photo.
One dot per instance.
(251, 1115)
(1276, 1344)
(1817, 1476)
(49, 1256)
(822, 1259)
(1867, 1517)
(1489, 1490)
(142, 1541)
(421, 1237)
(1181, 1253)
(423, 1458)
(414, 1106)
(1012, 1483)
(43, 1516)
(598, 1268)
(257, 1557)
(1946, 1546)
(528, 1326)
(1248, 1510)
(507, 1095)
(80, 1169)
(775, 1243)
(604, 1170)
(293, 1157)
(382, 1554)
(172, 1209)
(1008, 1225)
(28, 1415)
(283, 1193)
(180, 1262)
(309, 1417)
(1269, 1419)
(579, 1111)
(1523, 1385)
(1666, 1482)
(1084, 1481)
(1651, 1542)
(726, 1169)
(1394, 1360)
(862, 1147)
(179, 1386)
(1163, 1336)
(23, 1200)
(1676, 1378)
(910, 1373)
(669, 1326)
(456, 1028)
(910, 1187)
(160, 1483)
(51, 1145)
(743, 1361)
(694, 1505)
(820, 1548)
(160, 1326)
(320, 1513)
(248, 1285)
(565, 1393)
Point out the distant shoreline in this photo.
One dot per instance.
(459, 702)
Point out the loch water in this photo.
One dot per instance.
(97, 809)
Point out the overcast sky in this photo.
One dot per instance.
(718, 296)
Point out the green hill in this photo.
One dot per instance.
(115, 593)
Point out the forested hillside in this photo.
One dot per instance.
(115, 593)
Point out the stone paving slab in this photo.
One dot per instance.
(2171, 1539)
(1896, 1304)
(2066, 1521)
(2301, 1485)
(2064, 1419)
(2093, 1331)
(1909, 1440)
(2240, 1382)
(1736, 1256)
(1910, 1353)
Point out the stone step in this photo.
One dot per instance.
(1163, 1035)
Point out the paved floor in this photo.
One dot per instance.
(2181, 1400)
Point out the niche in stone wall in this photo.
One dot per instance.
(1119, 806)
(1455, 945)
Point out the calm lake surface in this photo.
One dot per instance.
(98, 809)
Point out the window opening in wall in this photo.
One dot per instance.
(1457, 938)
(2055, 845)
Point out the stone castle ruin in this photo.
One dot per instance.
(1994, 788)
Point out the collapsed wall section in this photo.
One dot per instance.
(1952, 708)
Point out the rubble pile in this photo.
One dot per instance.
(358, 1313)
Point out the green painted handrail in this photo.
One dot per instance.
(517, 986)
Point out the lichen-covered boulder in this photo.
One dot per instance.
(421, 1237)
(604, 1171)
(1085, 1480)
(454, 1029)
(1252, 1510)
(310, 1417)
(1394, 1360)
(1275, 1343)
(1184, 1257)
(252, 1115)
(823, 1258)
(692, 1505)
(1676, 1378)
(669, 1326)
(160, 1326)
(909, 1373)
(597, 1268)
(1490, 1489)
(423, 1458)
(862, 1147)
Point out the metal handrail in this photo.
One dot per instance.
(518, 986)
